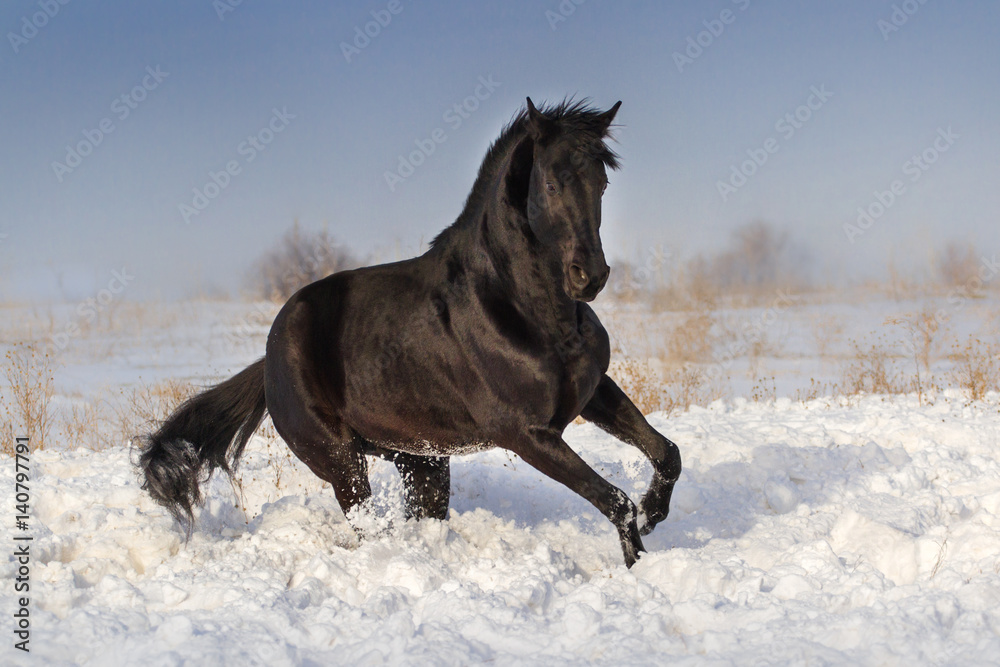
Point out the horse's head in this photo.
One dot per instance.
(568, 178)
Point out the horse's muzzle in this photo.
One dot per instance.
(586, 286)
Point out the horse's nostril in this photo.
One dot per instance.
(578, 275)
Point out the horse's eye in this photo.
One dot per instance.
(604, 187)
(550, 187)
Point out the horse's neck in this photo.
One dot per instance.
(527, 279)
(494, 246)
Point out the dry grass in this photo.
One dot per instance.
(641, 382)
(692, 340)
(875, 367)
(686, 290)
(140, 409)
(279, 456)
(82, 425)
(922, 329)
(764, 390)
(654, 389)
(955, 270)
(872, 370)
(826, 330)
(815, 390)
(977, 368)
(114, 420)
(669, 372)
(27, 399)
(689, 386)
(748, 336)
(921, 343)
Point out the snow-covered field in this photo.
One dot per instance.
(836, 531)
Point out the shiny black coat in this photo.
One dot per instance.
(486, 340)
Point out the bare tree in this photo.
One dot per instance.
(957, 265)
(299, 258)
(759, 258)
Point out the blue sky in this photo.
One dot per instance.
(336, 124)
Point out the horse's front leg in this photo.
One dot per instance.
(615, 413)
(545, 450)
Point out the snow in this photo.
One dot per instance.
(836, 531)
(841, 531)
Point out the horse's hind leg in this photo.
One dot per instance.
(330, 449)
(426, 485)
(426, 482)
(611, 410)
(305, 411)
(341, 463)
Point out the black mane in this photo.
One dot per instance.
(572, 116)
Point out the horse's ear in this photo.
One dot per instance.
(539, 125)
(608, 116)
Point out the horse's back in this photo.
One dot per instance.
(370, 346)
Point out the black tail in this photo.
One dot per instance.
(206, 432)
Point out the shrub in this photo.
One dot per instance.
(299, 258)
(28, 397)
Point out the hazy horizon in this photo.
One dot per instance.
(120, 119)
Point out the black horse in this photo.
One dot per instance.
(483, 341)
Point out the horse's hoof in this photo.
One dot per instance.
(631, 545)
(631, 558)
